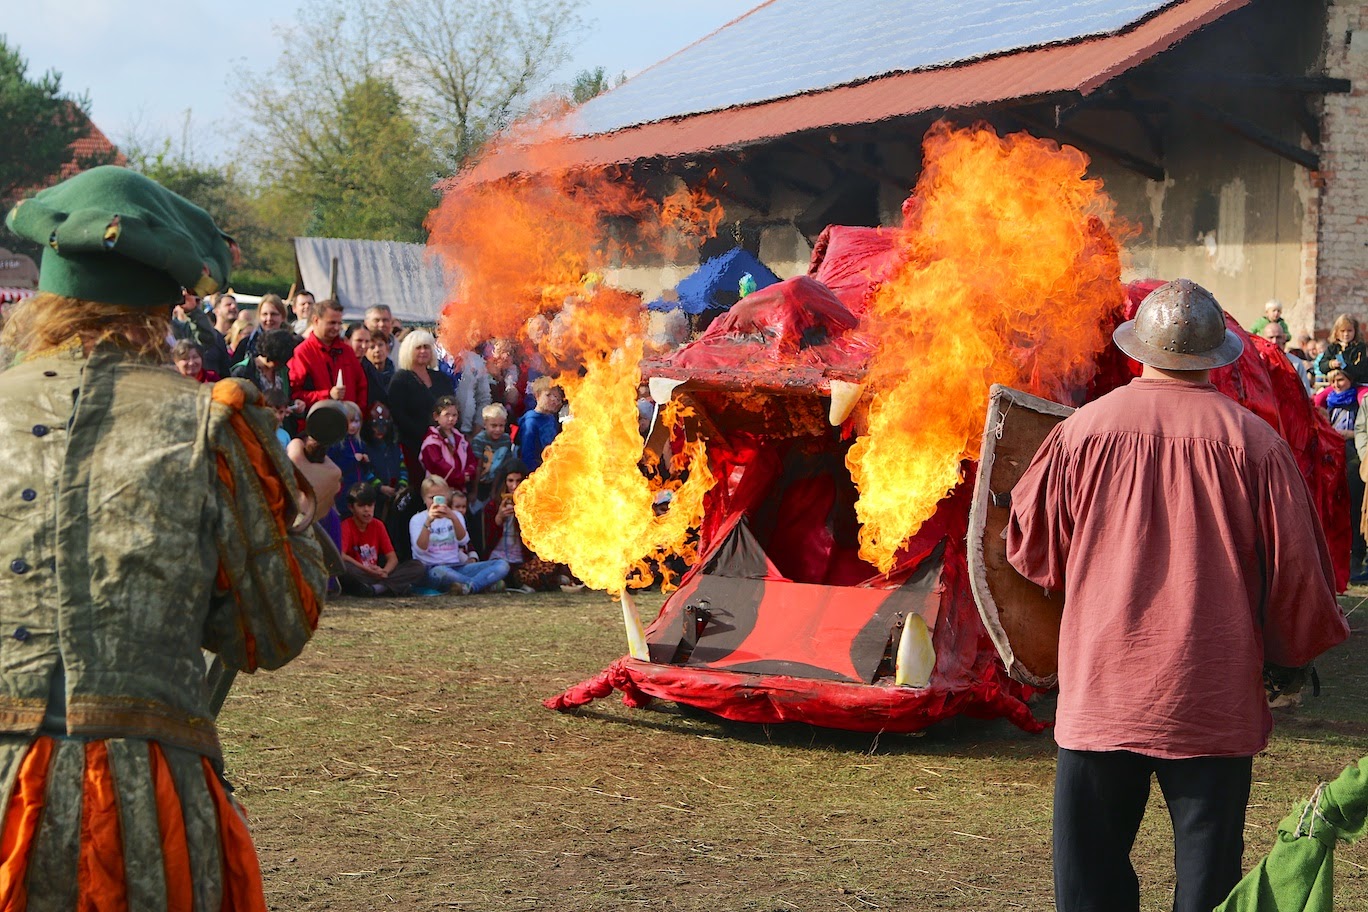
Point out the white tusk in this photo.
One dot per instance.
(636, 636)
(844, 395)
(662, 388)
(916, 655)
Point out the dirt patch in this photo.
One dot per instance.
(405, 762)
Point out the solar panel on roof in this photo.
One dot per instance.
(790, 47)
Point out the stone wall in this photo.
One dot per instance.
(1340, 247)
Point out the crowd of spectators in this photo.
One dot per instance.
(1334, 373)
(437, 441)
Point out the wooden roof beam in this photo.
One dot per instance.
(1249, 131)
(1305, 85)
(1062, 133)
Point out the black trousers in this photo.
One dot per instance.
(1100, 800)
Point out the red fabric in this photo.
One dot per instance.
(792, 325)
(314, 367)
(968, 678)
(768, 699)
(806, 624)
(180, 888)
(801, 544)
(28, 796)
(1182, 533)
(457, 465)
(852, 261)
(366, 546)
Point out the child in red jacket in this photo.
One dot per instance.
(445, 451)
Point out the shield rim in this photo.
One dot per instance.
(978, 510)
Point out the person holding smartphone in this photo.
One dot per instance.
(442, 544)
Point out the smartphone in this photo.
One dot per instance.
(439, 500)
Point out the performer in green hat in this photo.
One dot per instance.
(148, 517)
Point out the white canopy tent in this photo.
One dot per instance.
(407, 277)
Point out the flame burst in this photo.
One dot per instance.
(588, 506)
(531, 247)
(1008, 266)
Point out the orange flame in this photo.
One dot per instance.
(536, 246)
(589, 506)
(1008, 268)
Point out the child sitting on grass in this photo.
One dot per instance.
(371, 566)
(441, 543)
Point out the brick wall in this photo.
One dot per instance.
(1341, 245)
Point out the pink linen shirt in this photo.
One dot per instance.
(1177, 525)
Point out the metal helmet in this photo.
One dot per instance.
(1179, 326)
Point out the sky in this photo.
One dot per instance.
(144, 63)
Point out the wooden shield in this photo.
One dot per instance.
(1021, 617)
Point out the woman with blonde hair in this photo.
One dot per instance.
(243, 327)
(141, 530)
(414, 390)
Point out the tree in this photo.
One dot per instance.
(472, 65)
(371, 176)
(39, 122)
(463, 69)
(592, 83)
(359, 171)
(253, 215)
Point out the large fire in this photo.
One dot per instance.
(1007, 266)
(533, 248)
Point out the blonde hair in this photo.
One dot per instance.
(242, 326)
(1344, 321)
(412, 341)
(494, 410)
(352, 410)
(1334, 374)
(542, 385)
(47, 320)
(433, 483)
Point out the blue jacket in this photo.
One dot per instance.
(536, 430)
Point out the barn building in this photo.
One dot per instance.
(1232, 133)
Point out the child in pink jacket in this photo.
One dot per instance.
(445, 451)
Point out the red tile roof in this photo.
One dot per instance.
(1080, 66)
(93, 143)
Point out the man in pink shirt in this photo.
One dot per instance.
(1184, 539)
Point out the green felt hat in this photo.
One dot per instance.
(114, 236)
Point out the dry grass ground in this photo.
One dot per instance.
(405, 762)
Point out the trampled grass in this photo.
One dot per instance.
(405, 762)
